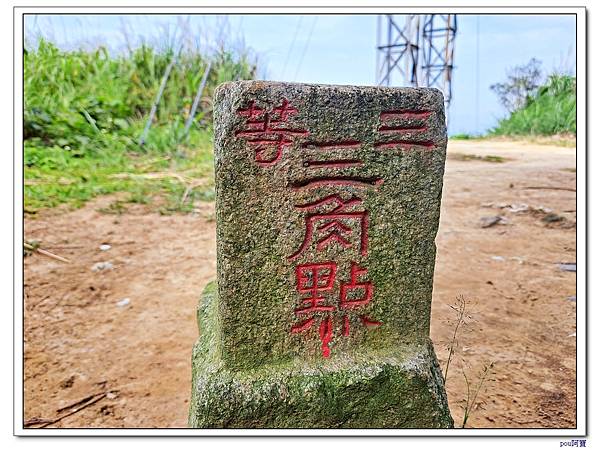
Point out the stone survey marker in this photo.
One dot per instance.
(328, 201)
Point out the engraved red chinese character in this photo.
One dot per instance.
(268, 131)
(316, 279)
(346, 301)
(329, 227)
(338, 163)
(319, 162)
(401, 126)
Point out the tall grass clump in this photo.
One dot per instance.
(84, 112)
(550, 111)
(85, 100)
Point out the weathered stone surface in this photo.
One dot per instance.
(343, 183)
(401, 388)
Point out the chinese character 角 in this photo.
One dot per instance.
(330, 228)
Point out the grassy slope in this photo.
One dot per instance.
(551, 111)
(84, 113)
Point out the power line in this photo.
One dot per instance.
(239, 31)
(287, 57)
(477, 77)
(305, 47)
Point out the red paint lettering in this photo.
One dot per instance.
(404, 114)
(332, 145)
(325, 333)
(331, 223)
(401, 128)
(268, 132)
(252, 112)
(394, 123)
(362, 182)
(315, 279)
(335, 163)
(353, 285)
(319, 278)
(404, 144)
(346, 329)
(369, 322)
(303, 326)
(284, 110)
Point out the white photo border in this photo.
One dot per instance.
(238, 7)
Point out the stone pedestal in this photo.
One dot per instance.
(327, 203)
(390, 389)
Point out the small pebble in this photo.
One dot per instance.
(568, 267)
(486, 222)
(123, 302)
(102, 266)
(105, 247)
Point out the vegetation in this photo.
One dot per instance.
(551, 110)
(85, 111)
(471, 157)
(522, 83)
(463, 137)
(473, 391)
(460, 324)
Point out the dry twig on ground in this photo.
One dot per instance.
(37, 249)
(552, 188)
(72, 409)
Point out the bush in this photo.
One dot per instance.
(551, 110)
(522, 83)
(83, 100)
(85, 111)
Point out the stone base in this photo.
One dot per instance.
(391, 389)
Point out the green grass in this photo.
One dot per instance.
(471, 157)
(551, 111)
(463, 137)
(84, 113)
(54, 177)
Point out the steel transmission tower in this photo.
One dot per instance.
(416, 50)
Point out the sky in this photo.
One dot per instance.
(341, 49)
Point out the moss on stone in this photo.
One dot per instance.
(391, 388)
(249, 369)
(259, 226)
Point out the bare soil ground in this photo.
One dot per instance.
(80, 342)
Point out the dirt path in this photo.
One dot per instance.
(79, 341)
